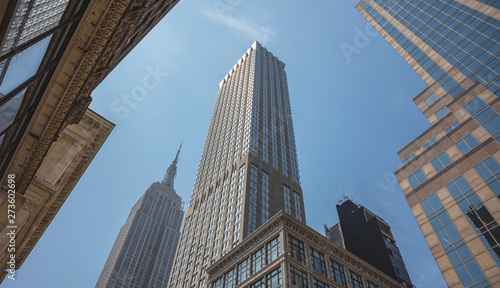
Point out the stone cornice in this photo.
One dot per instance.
(283, 221)
(100, 131)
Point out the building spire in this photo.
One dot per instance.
(171, 171)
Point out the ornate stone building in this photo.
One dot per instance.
(284, 252)
(53, 54)
(60, 170)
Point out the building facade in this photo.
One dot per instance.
(144, 250)
(284, 252)
(51, 59)
(60, 170)
(370, 238)
(450, 172)
(248, 169)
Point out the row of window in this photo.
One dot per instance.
(432, 141)
(442, 161)
(251, 265)
(318, 263)
(464, 264)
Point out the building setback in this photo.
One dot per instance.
(248, 169)
(144, 250)
(285, 252)
(450, 174)
(370, 238)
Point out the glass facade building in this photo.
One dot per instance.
(248, 169)
(144, 250)
(449, 172)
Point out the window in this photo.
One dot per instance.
(258, 260)
(259, 284)
(441, 162)
(409, 159)
(479, 217)
(356, 280)
(428, 144)
(288, 199)
(453, 126)
(298, 277)
(273, 279)
(338, 272)
(417, 179)
(296, 249)
(319, 284)
(467, 144)
(218, 283)
(431, 99)
(243, 270)
(273, 249)
(371, 285)
(442, 112)
(229, 279)
(489, 170)
(318, 261)
(486, 116)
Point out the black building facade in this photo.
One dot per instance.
(369, 237)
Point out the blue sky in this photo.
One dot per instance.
(351, 116)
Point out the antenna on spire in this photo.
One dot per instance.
(177, 156)
(172, 170)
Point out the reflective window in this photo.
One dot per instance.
(338, 272)
(258, 260)
(441, 162)
(296, 249)
(417, 179)
(318, 262)
(371, 285)
(428, 144)
(288, 199)
(259, 284)
(489, 170)
(229, 279)
(356, 280)
(486, 116)
(243, 270)
(24, 65)
(8, 111)
(219, 283)
(431, 99)
(453, 126)
(273, 249)
(478, 215)
(467, 144)
(274, 278)
(298, 277)
(451, 240)
(319, 284)
(409, 159)
(442, 112)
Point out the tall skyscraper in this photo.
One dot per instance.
(450, 174)
(370, 238)
(248, 169)
(143, 253)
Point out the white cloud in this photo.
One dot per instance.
(244, 26)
